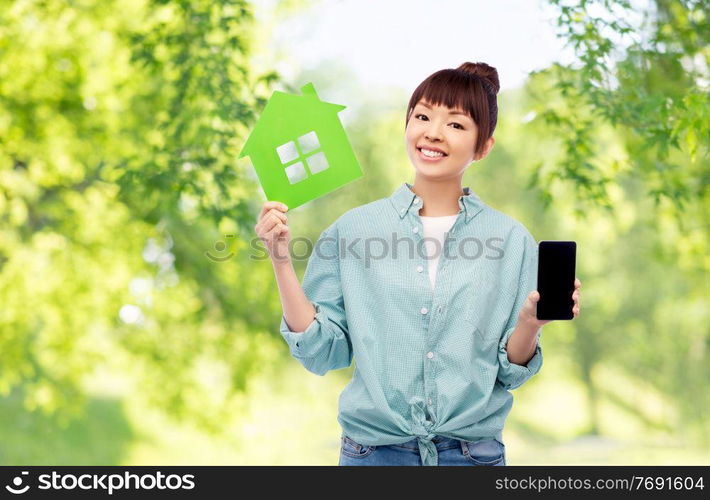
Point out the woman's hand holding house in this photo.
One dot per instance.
(272, 228)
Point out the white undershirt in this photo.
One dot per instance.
(435, 227)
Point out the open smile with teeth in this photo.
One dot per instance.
(430, 153)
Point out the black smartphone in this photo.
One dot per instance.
(555, 279)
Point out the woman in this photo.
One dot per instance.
(440, 332)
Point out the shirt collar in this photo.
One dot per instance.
(403, 199)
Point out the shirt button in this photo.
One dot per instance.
(415, 229)
(439, 309)
(429, 401)
(416, 200)
(420, 269)
(424, 310)
(430, 355)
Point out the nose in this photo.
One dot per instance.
(432, 132)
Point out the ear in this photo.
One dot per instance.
(489, 145)
(486, 149)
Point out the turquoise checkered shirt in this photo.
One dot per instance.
(427, 362)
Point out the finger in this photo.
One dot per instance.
(274, 232)
(268, 223)
(272, 219)
(278, 218)
(283, 231)
(280, 215)
(268, 207)
(577, 283)
(272, 205)
(529, 307)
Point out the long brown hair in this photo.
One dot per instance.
(472, 87)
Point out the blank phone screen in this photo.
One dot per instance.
(555, 279)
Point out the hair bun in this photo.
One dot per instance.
(486, 72)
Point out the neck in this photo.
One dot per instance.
(440, 197)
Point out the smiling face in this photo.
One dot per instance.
(440, 141)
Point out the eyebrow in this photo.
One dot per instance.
(455, 112)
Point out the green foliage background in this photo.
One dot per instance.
(122, 343)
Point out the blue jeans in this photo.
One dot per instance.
(451, 452)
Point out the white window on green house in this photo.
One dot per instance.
(302, 156)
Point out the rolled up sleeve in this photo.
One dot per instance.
(325, 344)
(512, 375)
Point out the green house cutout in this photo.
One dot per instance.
(299, 148)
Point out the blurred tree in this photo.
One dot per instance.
(119, 124)
(649, 79)
(631, 116)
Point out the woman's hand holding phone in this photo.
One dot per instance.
(528, 313)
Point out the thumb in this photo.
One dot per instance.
(534, 296)
(530, 304)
